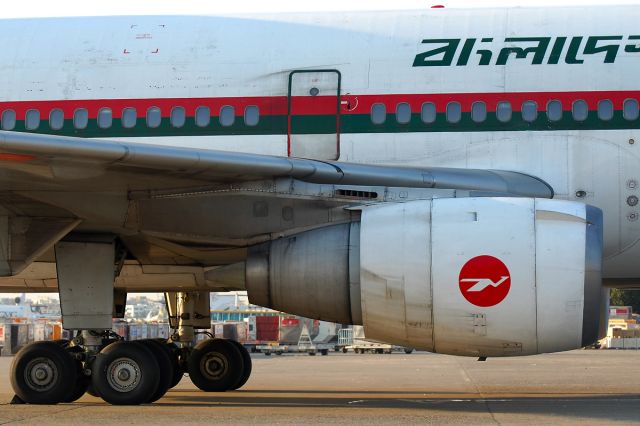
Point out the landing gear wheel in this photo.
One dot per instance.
(408, 350)
(215, 365)
(82, 381)
(165, 371)
(178, 369)
(246, 364)
(125, 373)
(80, 387)
(41, 373)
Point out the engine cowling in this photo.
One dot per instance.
(463, 276)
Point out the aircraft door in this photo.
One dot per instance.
(314, 114)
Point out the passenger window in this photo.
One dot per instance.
(479, 112)
(403, 113)
(454, 112)
(428, 113)
(8, 119)
(529, 111)
(580, 110)
(32, 121)
(605, 110)
(554, 110)
(154, 118)
(227, 115)
(105, 118)
(178, 117)
(129, 118)
(203, 116)
(630, 110)
(503, 112)
(378, 113)
(80, 118)
(251, 115)
(56, 119)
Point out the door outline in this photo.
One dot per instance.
(338, 91)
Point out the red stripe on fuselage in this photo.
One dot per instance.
(308, 105)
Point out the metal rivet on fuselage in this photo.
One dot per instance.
(632, 200)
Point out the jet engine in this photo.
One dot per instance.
(462, 276)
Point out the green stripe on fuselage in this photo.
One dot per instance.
(326, 124)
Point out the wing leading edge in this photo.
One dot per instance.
(59, 158)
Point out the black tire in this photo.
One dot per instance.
(345, 350)
(215, 365)
(80, 387)
(91, 391)
(174, 352)
(41, 373)
(312, 354)
(131, 358)
(82, 381)
(267, 353)
(247, 364)
(324, 352)
(408, 350)
(178, 367)
(165, 368)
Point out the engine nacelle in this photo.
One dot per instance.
(463, 276)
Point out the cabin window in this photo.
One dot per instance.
(378, 113)
(503, 112)
(630, 110)
(529, 111)
(605, 110)
(227, 115)
(56, 119)
(454, 112)
(203, 116)
(8, 119)
(403, 113)
(554, 110)
(428, 112)
(105, 118)
(178, 117)
(580, 110)
(129, 118)
(32, 120)
(479, 112)
(154, 117)
(251, 115)
(80, 118)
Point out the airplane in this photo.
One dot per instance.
(357, 168)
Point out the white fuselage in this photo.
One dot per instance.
(382, 57)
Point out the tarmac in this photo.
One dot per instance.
(579, 387)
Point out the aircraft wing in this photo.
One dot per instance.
(30, 161)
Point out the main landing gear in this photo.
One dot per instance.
(125, 373)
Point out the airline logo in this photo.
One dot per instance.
(444, 52)
(484, 281)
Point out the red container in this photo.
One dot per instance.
(268, 328)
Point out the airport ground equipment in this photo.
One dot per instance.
(354, 339)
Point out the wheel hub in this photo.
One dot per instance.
(123, 374)
(214, 366)
(41, 374)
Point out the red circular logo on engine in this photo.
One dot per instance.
(484, 281)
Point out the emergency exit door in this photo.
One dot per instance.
(314, 114)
